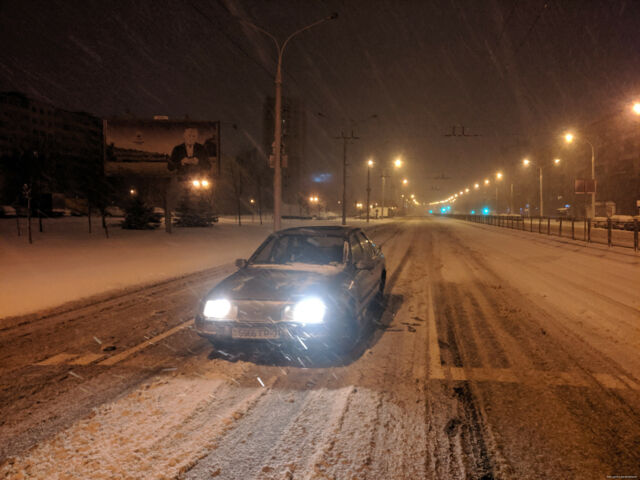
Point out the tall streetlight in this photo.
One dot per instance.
(277, 142)
(569, 138)
(526, 162)
(498, 178)
(369, 165)
(397, 163)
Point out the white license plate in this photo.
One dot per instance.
(253, 332)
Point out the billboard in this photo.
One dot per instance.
(162, 147)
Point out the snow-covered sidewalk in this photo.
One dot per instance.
(66, 263)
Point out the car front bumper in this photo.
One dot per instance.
(280, 332)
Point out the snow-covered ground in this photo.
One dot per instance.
(66, 263)
(495, 353)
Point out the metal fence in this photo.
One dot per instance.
(605, 231)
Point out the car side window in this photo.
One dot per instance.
(357, 255)
(368, 249)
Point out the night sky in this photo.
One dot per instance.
(516, 73)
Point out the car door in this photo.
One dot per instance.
(373, 268)
(361, 276)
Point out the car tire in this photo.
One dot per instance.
(350, 333)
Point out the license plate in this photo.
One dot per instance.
(253, 332)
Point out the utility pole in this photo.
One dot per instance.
(369, 165)
(384, 181)
(345, 140)
(541, 198)
(511, 201)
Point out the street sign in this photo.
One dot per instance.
(585, 186)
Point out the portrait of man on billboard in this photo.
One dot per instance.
(189, 157)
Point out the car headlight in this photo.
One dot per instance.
(309, 310)
(217, 309)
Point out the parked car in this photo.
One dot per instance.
(114, 211)
(303, 285)
(7, 211)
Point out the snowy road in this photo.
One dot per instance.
(495, 355)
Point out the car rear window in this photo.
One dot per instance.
(315, 250)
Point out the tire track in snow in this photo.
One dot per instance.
(153, 432)
(577, 406)
(381, 433)
(460, 432)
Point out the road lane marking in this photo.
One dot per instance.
(539, 377)
(87, 359)
(435, 366)
(121, 356)
(58, 359)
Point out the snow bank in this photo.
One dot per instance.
(66, 263)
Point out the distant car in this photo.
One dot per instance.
(7, 211)
(302, 285)
(114, 211)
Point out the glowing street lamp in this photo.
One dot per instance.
(636, 108)
(486, 181)
(466, 190)
(397, 163)
(476, 186)
(498, 177)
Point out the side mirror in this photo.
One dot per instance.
(241, 263)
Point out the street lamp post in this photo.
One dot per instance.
(498, 177)
(369, 165)
(397, 163)
(277, 143)
(526, 162)
(569, 138)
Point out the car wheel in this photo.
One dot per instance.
(349, 335)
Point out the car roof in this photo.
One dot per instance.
(329, 230)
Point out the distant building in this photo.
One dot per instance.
(295, 183)
(27, 124)
(67, 142)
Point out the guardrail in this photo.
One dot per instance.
(605, 232)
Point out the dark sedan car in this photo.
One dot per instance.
(301, 285)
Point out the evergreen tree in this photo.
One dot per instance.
(139, 216)
(195, 211)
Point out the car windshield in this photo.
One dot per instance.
(309, 249)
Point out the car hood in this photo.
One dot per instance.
(278, 284)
